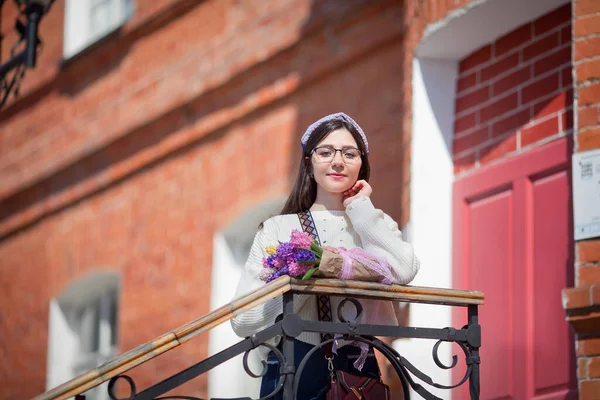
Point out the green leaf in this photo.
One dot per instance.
(318, 250)
(313, 262)
(309, 273)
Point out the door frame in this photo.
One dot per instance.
(434, 67)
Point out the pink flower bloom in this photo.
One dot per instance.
(301, 239)
(297, 270)
(266, 273)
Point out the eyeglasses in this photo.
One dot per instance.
(326, 154)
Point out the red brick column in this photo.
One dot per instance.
(582, 303)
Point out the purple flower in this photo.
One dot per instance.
(278, 262)
(305, 255)
(285, 250)
(274, 261)
(278, 273)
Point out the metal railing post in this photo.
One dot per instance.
(474, 342)
(288, 350)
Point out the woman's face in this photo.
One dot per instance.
(342, 171)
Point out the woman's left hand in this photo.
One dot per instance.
(360, 188)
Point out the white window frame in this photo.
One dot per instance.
(80, 30)
(83, 329)
(231, 247)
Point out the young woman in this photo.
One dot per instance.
(332, 183)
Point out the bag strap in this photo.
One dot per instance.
(323, 302)
(308, 225)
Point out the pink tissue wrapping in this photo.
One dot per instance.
(359, 257)
(355, 264)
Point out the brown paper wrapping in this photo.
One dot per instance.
(331, 266)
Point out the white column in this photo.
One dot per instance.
(432, 175)
(229, 379)
(62, 347)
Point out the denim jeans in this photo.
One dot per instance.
(315, 376)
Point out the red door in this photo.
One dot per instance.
(512, 240)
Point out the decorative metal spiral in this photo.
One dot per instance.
(376, 344)
(401, 365)
(454, 362)
(282, 364)
(130, 382)
(133, 390)
(359, 310)
(437, 360)
(406, 371)
(416, 372)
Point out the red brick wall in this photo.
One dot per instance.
(132, 155)
(516, 93)
(586, 57)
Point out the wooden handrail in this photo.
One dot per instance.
(371, 290)
(166, 342)
(170, 340)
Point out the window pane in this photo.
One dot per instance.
(113, 317)
(87, 21)
(104, 328)
(101, 18)
(128, 8)
(88, 328)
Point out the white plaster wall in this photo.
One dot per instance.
(63, 341)
(466, 29)
(230, 251)
(225, 276)
(431, 199)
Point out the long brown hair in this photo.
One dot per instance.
(304, 192)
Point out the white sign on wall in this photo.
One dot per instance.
(586, 194)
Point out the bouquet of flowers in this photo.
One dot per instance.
(302, 257)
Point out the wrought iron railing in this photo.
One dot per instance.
(468, 338)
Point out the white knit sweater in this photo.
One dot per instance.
(361, 225)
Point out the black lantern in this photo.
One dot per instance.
(32, 11)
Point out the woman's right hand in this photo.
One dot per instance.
(359, 189)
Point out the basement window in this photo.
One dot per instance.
(88, 21)
(83, 329)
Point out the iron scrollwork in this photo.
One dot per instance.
(112, 389)
(282, 376)
(468, 338)
(180, 378)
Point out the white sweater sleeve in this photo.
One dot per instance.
(380, 235)
(263, 316)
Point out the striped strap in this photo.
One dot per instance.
(323, 302)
